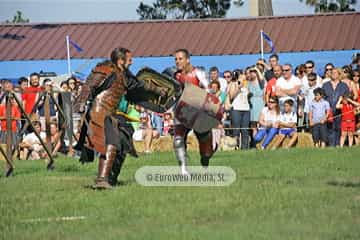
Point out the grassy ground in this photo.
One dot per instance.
(297, 194)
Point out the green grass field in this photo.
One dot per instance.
(296, 194)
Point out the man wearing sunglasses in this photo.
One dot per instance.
(327, 72)
(310, 68)
(287, 87)
(307, 92)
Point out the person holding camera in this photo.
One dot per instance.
(238, 103)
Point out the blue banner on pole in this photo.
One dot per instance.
(269, 41)
(76, 46)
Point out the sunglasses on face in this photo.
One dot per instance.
(286, 70)
(272, 102)
(309, 67)
(227, 76)
(329, 69)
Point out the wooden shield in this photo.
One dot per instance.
(198, 109)
(153, 101)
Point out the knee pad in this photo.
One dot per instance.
(179, 142)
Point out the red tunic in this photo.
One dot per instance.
(15, 113)
(270, 87)
(29, 96)
(347, 118)
(188, 77)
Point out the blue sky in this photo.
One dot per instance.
(116, 10)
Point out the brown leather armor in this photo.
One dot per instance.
(105, 103)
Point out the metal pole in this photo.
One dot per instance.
(262, 44)
(68, 54)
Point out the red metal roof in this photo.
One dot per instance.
(201, 37)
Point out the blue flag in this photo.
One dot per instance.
(269, 41)
(75, 45)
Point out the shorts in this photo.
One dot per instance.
(286, 131)
(348, 126)
(319, 132)
(138, 135)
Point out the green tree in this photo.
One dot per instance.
(331, 5)
(18, 18)
(184, 9)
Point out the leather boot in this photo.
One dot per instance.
(102, 159)
(205, 161)
(105, 165)
(115, 171)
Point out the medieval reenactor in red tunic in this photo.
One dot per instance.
(196, 110)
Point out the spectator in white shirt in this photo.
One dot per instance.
(307, 94)
(238, 102)
(287, 87)
(287, 125)
(31, 145)
(269, 123)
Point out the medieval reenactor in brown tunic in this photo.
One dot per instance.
(103, 130)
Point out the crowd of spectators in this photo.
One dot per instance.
(31, 94)
(262, 101)
(266, 100)
(270, 98)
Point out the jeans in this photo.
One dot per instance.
(334, 132)
(157, 123)
(241, 119)
(268, 133)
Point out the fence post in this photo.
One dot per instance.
(47, 121)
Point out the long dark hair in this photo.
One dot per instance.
(118, 53)
(352, 75)
(276, 100)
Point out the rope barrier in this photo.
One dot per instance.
(35, 91)
(227, 128)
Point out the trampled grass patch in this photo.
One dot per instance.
(284, 194)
